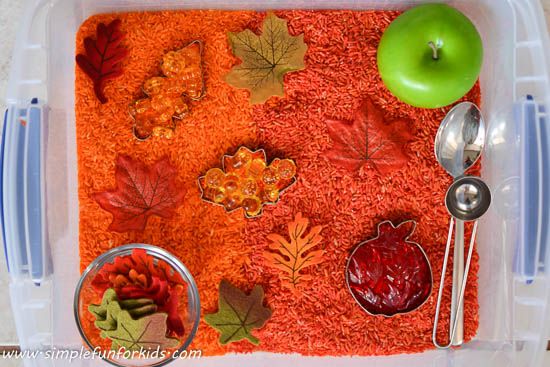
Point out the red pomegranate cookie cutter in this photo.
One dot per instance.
(389, 275)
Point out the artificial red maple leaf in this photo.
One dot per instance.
(369, 139)
(103, 56)
(141, 191)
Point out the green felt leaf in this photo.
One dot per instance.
(104, 319)
(148, 332)
(129, 304)
(106, 313)
(238, 313)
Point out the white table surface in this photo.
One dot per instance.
(9, 14)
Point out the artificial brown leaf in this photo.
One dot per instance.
(238, 313)
(265, 58)
(369, 139)
(291, 257)
(141, 191)
(146, 333)
(103, 57)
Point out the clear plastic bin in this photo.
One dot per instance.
(39, 181)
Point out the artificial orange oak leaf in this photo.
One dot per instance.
(141, 191)
(291, 257)
(369, 139)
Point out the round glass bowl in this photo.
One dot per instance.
(96, 281)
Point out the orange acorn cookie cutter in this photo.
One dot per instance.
(246, 181)
(167, 97)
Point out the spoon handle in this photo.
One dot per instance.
(461, 289)
(457, 310)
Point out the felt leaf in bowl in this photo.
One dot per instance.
(141, 192)
(265, 58)
(165, 297)
(171, 307)
(103, 57)
(138, 268)
(147, 333)
(158, 291)
(107, 312)
(291, 257)
(369, 139)
(238, 313)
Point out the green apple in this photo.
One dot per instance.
(430, 56)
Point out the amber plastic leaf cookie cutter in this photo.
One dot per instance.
(167, 132)
(227, 170)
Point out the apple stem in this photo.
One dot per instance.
(435, 55)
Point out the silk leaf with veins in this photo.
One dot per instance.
(265, 58)
(371, 140)
(141, 191)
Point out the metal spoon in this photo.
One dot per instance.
(458, 145)
(467, 199)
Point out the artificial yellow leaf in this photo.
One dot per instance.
(265, 58)
(292, 257)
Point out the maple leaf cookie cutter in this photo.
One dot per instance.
(406, 240)
(226, 158)
(168, 131)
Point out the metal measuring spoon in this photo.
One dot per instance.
(467, 199)
(458, 145)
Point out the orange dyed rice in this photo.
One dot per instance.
(341, 70)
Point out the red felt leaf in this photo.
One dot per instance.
(166, 298)
(141, 263)
(369, 139)
(174, 322)
(101, 283)
(141, 191)
(389, 274)
(158, 291)
(165, 271)
(103, 56)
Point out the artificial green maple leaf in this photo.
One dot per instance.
(238, 313)
(148, 332)
(265, 58)
(106, 313)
